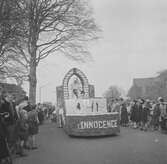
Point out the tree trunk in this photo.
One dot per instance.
(32, 82)
(33, 68)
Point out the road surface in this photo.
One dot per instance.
(130, 147)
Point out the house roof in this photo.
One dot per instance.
(141, 82)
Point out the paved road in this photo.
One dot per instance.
(130, 147)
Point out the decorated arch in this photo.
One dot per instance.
(83, 79)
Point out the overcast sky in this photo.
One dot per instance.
(133, 45)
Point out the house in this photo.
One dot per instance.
(144, 88)
(14, 90)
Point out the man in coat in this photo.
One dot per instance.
(163, 114)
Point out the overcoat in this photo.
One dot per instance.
(135, 113)
(124, 115)
(3, 146)
(144, 114)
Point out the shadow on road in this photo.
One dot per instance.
(94, 137)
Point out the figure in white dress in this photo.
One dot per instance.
(76, 88)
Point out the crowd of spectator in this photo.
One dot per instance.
(19, 124)
(143, 114)
(19, 121)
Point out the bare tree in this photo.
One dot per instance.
(11, 30)
(4, 29)
(16, 67)
(54, 27)
(113, 92)
(135, 92)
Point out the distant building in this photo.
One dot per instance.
(14, 90)
(143, 83)
(141, 87)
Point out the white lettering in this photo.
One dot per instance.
(82, 123)
(85, 125)
(100, 124)
(109, 123)
(97, 124)
(90, 124)
(115, 124)
(104, 124)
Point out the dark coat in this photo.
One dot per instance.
(33, 127)
(28, 108)
(139, 113)
(3, 146)
(156, 114)
(4, 152)
(132, 112)
(144, 114)
(3, 129)
(156, 111)
(163, 116)
(136, 113)
(6, 107)
(124, 115)
(33, 122)
(22, 129)
(41, 116)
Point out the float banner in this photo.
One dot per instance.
(92, 125)
(104, 121)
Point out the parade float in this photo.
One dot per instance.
(82, 113)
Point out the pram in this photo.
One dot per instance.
(5, 156)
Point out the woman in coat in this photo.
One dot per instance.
(124, 115)
(133, 114)
(144, 116)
